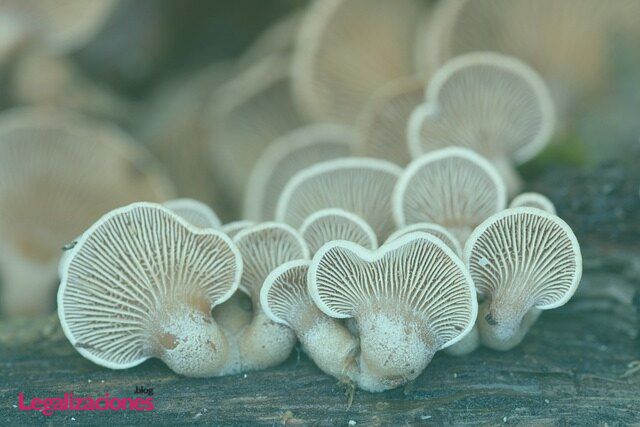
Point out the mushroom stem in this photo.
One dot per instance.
(509, 174)
(191, 343)
(466, 345)
(264, 343)
(504, 327)
(27, 286)
(395, 347)
(325, 340)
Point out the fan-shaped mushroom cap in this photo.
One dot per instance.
(265, 247)
(336, 224)
(361, 186)
(141, 283)
(522, 260)
(533, 200)
(247, 114)
(382, 124)
(288, 155)
(60, 172)
(434, 229)
(410, 298)
(347, 49)
(565, 41)
(491, 103)
(233, 228)
(286, 300)
(62, 25)
(194, 212)
(453, 187)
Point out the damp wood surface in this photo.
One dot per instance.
(572, 369)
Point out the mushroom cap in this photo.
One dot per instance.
(247, 113)
(61, 171)
(435, 230)
(565, 41)
(533, 200)
(382, 124)
(527, 255)
(285, 290)
(288, 155)
(330, 224)
(130, 269)
(346, 50)
(63, 25)
(491, 103)
(453, 187)
(233, 228)
(416, 272)
(264, 247)
(359, 185)
(195, 212)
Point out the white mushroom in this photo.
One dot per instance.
(288, 155)
(141, 283)
(347, 49)
(522, 260)
(60, 172)
(382, 124)
(264, 247)
(533, 200)
(410, 298)
(286, 300)
(491, 103)
(361, 186)
(336, 224)
(246, 115)
(434, 229)
(233, 228)
(453, 187)
(194, 212)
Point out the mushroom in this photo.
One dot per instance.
(453, 187)
(359, 185)
(246, 114)
(288, 155)
(61, 172)
(382, 124)
(565, 41)
(264, 247)
(491, 103)
(522, 260)
(141, 283)
(194, 212)
(286, 300)
(533, 200)
(434, 229)
(347, 49)
(410, 298)
(330, 224)
(233, 228)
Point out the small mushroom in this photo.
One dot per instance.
(264, 247)
(382, 124)
(409, 298)
(435, 230)
(288, 155)
(141, 283)
(246, 114)
(233, 228)
(286, 300)
(490, 103)
(336, 224)
(347, 49)
(61, 172)
(533, 200)
(453, 187)
(522, 260)
(359, 185)
(194, 212)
